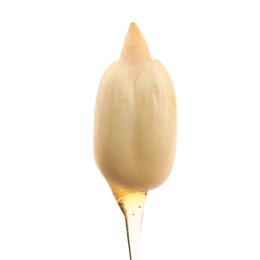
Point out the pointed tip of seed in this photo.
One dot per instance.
(135, 49)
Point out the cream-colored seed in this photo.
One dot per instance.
(135, 119)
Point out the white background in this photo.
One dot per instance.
(54, 202)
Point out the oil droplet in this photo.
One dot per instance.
(131, 203)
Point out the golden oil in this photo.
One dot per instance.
(131, 203)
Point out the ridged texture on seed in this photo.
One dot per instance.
(135, 119)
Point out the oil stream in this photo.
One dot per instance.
(132, 206)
